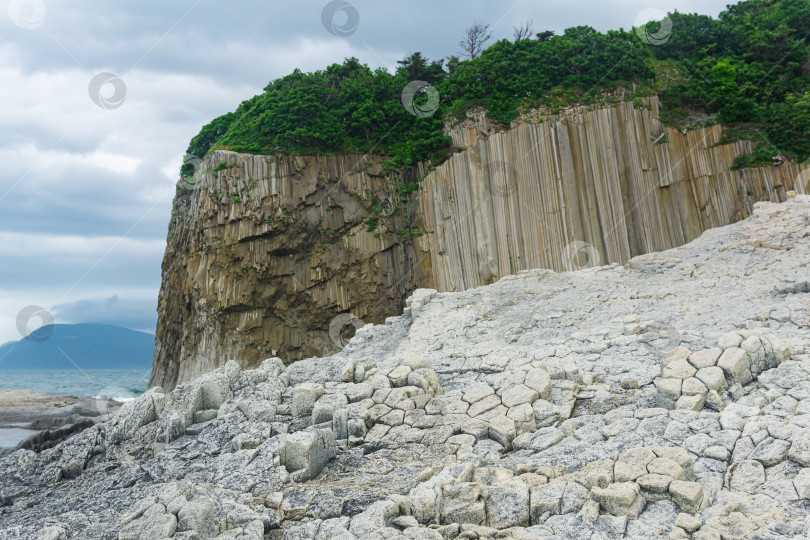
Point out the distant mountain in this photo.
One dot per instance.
(88, 346)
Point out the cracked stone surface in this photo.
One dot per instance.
(666, 398)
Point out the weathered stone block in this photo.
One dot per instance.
(476, 391)
(347, 372)
(705, 358)
(544, 413)
(713, 377)
(620, 499)
(756, 353)
(399, 376)
(599, 473)
(669, 389)
(308, 451)
(197, 515)
(502, 429)
(770, 451)
(802, 483)
(425, 503)
(539, 380)
(800, 451)
(654, 486)
(691, 403)
(483, 405)
(678, 369)
(546, 499)
(632, 464)
(734, 363)
(730, 340)
(687, 522)
(358, 392)
(693, 387)
(523, 416)
(462, 503)
(678, 455)
(666, 467)
(518, 395)
(507, 504)
(687, 495)
(303, 401)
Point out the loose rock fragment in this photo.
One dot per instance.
(620, 499)
(687, 495)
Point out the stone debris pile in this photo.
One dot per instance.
(667, 398)
(691, 380)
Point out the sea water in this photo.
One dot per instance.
(13, 436)
(115, 384)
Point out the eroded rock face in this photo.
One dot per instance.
(275, 256)
(500, 412)
(264, 252)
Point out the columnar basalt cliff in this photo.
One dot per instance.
(264, 252)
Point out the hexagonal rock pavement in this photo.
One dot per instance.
(666, 398)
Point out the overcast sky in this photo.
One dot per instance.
(86, 184)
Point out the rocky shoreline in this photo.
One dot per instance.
(49, 419)
(669, 397)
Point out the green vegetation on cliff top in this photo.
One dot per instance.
(749, 69)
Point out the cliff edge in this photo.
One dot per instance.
(286, 255)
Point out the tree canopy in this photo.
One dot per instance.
(749, 67)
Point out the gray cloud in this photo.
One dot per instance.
(135, 313)
(251, 41)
